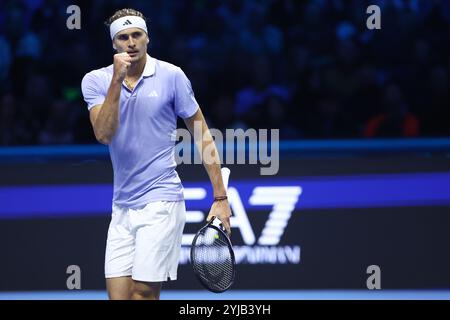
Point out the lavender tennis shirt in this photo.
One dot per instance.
(142, 149)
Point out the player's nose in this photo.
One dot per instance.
(131, 43)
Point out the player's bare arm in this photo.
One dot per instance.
(105, 117)
(221, 208)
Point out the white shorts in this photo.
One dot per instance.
(145, 243)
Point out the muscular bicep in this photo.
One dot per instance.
(93, 113)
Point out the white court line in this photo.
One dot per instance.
(244, 295)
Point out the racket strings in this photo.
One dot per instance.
(212, 259)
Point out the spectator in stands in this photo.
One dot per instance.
(397, 121)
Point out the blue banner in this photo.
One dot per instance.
(361, 191)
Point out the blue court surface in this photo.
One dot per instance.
(245, 295)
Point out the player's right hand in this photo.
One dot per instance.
(122, 62)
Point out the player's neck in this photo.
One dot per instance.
(137, 68)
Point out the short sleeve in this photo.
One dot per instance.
(185, 104)
(91, 87)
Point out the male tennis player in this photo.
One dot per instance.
(133, 105)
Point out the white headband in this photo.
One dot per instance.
(125, 23)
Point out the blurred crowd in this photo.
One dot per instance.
(310, 68)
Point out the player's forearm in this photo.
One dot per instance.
(216, 179)
(107, 120)
(206, 146)
(211, 162)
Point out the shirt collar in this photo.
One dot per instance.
(150, 66)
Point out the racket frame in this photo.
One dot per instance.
(230, 248)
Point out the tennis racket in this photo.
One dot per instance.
(212, 255)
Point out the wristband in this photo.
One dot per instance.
(220, 198)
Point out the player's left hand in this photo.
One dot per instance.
(221, 210)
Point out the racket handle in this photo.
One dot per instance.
(225, 176)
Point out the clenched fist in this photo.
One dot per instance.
(122, 62)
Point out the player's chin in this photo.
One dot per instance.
(138, 56)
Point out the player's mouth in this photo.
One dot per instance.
(132, 53)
